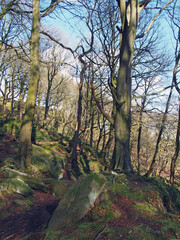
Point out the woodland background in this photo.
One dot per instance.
(77, 69)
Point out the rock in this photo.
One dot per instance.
(10, 173)
(61, 187)
(17, 185)
(20, 202)
(76, 202)
(32, 182)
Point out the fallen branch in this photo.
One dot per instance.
(101, 232)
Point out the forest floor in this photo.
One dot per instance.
(19, 219)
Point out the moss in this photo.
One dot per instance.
(12, 125)
(144, 232)
(171, 224)
(55, 235)
(85, 181)
(84, 231)
(116, 233)
(150, 209)
(122, 186)
(42, 135)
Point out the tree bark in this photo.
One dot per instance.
(151, 168)
(75, 139)
(25, 145)
(176, 154)
(129, 18)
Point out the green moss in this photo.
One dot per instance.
(144, 232)
(171, 224)
(42, 135)
(84, 231)
(85, 181)
(151, 210)
(53, 235)
(12, 125)
(121, 185)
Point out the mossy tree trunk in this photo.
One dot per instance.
(25, 145)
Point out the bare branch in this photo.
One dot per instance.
(51, 8)
(99, 105)
(154, 19)
(59, 43)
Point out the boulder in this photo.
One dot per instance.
(61, 187)
(33, 182)
(19, 186)
(77, 201)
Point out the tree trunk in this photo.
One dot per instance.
(176, 154)
(25, 145)
(121, 156)
(12, 96)
(5, 98)
(75, 139)
(92, 120)
(151, 168)
(129, 18)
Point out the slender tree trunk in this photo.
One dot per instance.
(176, 154)
(107, 147)
(5, 98)
(75, 139)
(151, 168)
(12, 97)
(46, 105)
(139, 133)
(139, 140)
(92, 120)
(25, 145)
(104, 138)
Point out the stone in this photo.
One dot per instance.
(17, 185)
(31, 181)
(61, 187)
(76, 202)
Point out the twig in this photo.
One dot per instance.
(101, 232)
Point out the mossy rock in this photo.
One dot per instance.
(17, 185)
(32, 182)
(76, 202)
(61, 187)
(46, 161)
(41, 154)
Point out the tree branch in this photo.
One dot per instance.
(99, 105)
(56, 41)
(51, 8)
(154, 19)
